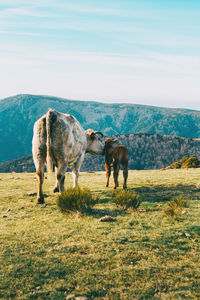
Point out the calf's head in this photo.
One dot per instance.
(109, 144)
(108, 150)
(94, 144)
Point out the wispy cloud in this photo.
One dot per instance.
(146, 62)
(20, 33)
(19, 12)
(128, 11)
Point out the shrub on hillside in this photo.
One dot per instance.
(191, 162)
(178, 164)
(76, 199)
(175, 207)
(186, 162)
(126, 199)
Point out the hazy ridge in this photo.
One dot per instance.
(18, 114)
(145, 152)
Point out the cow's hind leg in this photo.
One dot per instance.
(61, 177)
(125, 175)
(76, 170)
(56, 188)
(40, 179)
(108, 172)
(116, 168)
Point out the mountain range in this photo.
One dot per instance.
(146, 151)
(18, 114)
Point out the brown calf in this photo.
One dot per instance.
(114, 157)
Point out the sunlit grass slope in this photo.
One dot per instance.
(46, 254)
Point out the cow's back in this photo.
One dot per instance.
(68, 140)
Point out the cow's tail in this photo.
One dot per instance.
(49, 121)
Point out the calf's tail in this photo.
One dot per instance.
(49, 160)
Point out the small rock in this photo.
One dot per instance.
(38, 288)
(81, 298)
(187, 234)
(70, 297)
(142, 210)
(9, 210)
(22, 207)
(32, 193)
(179, 233)
(194, 240)
(4, 216)
(183, 212)
(107, 219)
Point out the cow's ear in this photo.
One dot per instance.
(92, 135)
(114, 141)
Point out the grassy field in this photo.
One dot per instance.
(46, 254)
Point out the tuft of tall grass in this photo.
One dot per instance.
(126, 199)
(76, 199)
(175, 207)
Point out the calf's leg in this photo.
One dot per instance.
(116, 168)
(108, 173)
(125, 175)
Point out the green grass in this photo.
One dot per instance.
(47, 254)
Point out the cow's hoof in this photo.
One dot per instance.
(40, 201)
(115, 187)
(106, 185)
(56, 190)
(125, 187)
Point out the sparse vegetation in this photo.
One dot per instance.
(175, 207)
(191, 162)
(126, 199)
(46, 254)
(186, 162)
(76, 199)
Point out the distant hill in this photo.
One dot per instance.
(18, 114)
(145, 152)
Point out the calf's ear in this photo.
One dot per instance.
(114, 141)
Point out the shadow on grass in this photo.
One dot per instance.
(103, 196)
(98, 212)
(155, 194)
(165, 193)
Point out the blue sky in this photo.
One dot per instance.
(145, 52)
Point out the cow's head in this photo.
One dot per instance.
(94, 144)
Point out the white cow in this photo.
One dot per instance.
(59, 139)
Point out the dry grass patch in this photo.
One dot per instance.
(126, 199)
(46, 254)
(76, 199)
